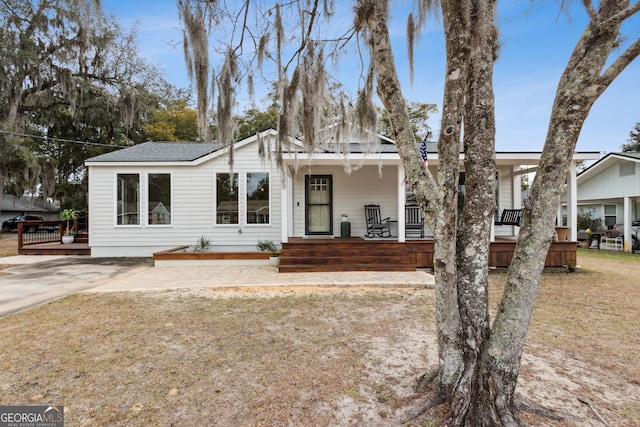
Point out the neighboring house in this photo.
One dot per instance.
(610, 188)
(160, 195)
(13, 206)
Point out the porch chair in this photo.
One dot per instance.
(376, 225)
(413, 220)
(510, 217)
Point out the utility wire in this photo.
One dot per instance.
(60, 139)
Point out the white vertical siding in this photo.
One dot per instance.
(609, 184)
(505, 199)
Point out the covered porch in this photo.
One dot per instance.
(321, 188)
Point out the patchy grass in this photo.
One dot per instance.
(170, 359)
(8, 247)
(321, 357)
(595, 303)
(8, 244)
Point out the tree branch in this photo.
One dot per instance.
(623, 14)
(306, 37)
(593, 15)
(620, 64)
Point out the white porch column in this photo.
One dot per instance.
(572, 204)
(517, 193)
(401, 202)
(517, 188)
(286, 207)
(627, 223)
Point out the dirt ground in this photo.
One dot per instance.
(312, 356)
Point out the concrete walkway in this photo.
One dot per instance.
(36, 280)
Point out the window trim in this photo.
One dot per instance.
(146, 201)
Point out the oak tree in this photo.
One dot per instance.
(479, 361)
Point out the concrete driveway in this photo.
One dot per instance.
(38, 279)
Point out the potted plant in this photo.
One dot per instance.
(68, 215)
(269, 246)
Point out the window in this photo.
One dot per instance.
(610, 216)
(128, 199)
(258, 203)
(627, 169)
(159, 198)
(409, 197)
(227, 198)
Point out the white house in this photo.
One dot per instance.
(160, 195)
(611, 189)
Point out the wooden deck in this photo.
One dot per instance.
(47, 240)
(357, 254)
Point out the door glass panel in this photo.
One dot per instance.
(319, 219)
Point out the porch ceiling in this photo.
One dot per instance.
(502, 158)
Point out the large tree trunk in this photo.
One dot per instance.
(580, 85)
(437, 199)
(478, 366)
(471, 404)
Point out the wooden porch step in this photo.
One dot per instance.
(349, 267)
(82, 238)
(345, 255)
(337, 259)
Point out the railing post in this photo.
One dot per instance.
(20, 238)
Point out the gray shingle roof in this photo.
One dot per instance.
(159, 152)
(631, 154)
(11, 203)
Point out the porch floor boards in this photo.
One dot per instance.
(344, 254)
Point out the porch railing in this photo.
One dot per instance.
(37, 232)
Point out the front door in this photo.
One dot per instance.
(318, 205)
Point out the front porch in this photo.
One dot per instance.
(358, 254)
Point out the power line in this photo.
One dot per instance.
(60, 139)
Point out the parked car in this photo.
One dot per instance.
(12, 224)
(618, 229)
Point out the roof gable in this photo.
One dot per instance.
(606, 162)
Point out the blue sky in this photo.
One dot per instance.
(536, 44)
